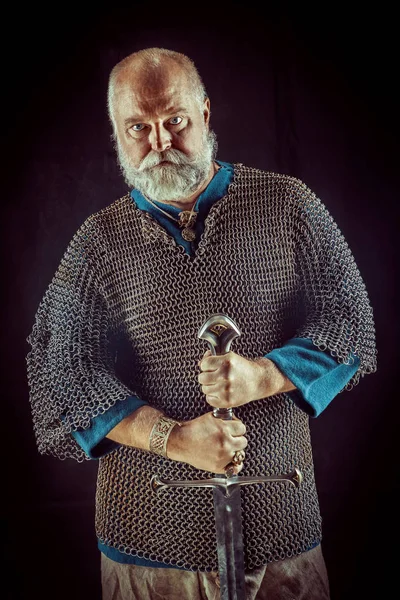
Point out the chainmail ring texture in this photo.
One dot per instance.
(121, 316)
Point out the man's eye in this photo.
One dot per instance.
(138, 127)
(175, 120)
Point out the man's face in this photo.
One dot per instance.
(164, 144)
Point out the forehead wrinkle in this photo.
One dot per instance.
(151, 91)
(140, 105)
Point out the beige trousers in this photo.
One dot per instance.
(302, 577)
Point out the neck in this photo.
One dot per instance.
(189, 202)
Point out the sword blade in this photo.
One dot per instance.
(228, 522)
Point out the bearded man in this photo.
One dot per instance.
(116, 371)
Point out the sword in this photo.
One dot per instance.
(220, 331)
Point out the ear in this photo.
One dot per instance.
(206, 111)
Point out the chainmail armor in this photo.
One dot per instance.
(272, 259)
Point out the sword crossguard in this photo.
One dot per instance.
(225, 485)
(219, 331)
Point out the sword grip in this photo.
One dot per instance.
(226, 414)
(219, 331)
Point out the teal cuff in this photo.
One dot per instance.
(129, 559)
(317, 376)
(93, 440)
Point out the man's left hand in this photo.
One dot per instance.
(232, 380)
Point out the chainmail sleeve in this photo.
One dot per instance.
(339, 317)
(70, 365)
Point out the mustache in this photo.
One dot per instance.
(173, 156)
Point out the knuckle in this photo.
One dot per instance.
(226, 366)
(225, 446)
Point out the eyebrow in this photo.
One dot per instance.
(169, 111)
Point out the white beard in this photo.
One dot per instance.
(174, 181)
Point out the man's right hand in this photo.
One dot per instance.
(207, 443)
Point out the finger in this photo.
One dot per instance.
(237, 428)
(207, 378)
(237, 425)
(212, 392)
(215, 401)
(239, 443)
(211, 363)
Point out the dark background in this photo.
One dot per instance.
(310, 92)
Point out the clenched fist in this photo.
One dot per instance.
(207, 443)
(231, 380)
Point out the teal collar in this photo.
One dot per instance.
(216, 189)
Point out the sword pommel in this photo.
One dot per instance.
(219, 331)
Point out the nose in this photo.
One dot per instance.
(160, 138)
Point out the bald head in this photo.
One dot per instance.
(149, 71)
(160, 116)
